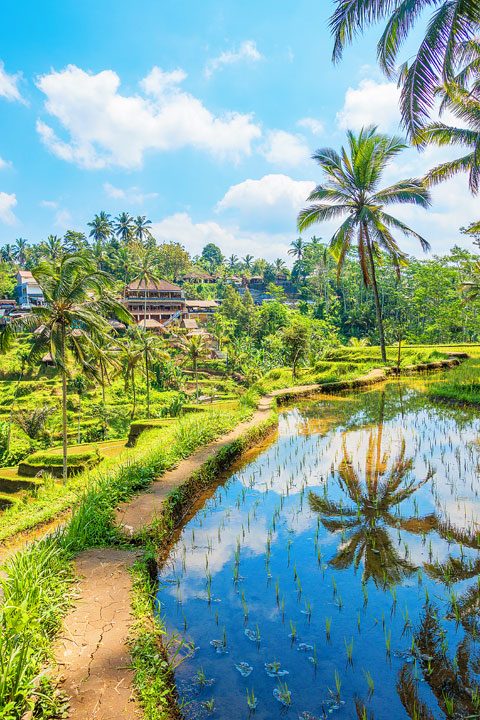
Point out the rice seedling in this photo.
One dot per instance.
(252, 701)
(209, 705)
(370, 683)
(388, 642)
(283, 694)
(328, 626)
(349, 650)
(293, 631)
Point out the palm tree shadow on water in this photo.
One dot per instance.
(371, 509)
(452, 682)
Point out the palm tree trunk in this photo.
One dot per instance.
(378, 307)
(79, 418)
(147, 382)
(64, 409)
(104, 407)
(134, 391)
(145, 308)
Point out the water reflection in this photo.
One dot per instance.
(346, 555)
(369, 507)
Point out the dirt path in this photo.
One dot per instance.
(92, 655)
(141, 512)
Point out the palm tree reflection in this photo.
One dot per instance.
(370, 509)
(452, 682)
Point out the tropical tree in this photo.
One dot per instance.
(74, 241)
(124, 227)
(297, 248)
(7, 253)
(247, 261)
(295, 340)
(122, 264)
(131, 356)
(463, 105)
(153, 348)
(194, 348)
(453, 23)
(232, 262)
(100, 227)
(79, 386)
(146, 274)
(141, 228)
(279, 266)
(351, 188)
(105, 361)
(52, 248)
(20, 251)
(32, 422)
(77, 303)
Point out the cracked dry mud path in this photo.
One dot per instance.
(91, 652)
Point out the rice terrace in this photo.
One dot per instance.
(240, 405)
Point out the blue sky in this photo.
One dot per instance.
(201, 116)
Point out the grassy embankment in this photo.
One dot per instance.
(461, 385)
(350, 363)
(39, 580)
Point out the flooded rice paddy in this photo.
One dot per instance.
(336, 573)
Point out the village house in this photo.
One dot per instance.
(28, 292)
(155, 304)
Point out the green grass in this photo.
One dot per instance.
(462, 384)
(36, 588)
(36, 594)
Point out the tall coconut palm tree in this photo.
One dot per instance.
(100, 227)
(124, 227)
(247, 261)
(20, 251)
(77, 303)
(7, 253)
(297, 248)
(279, 266)
(122, 263)
(105, 362)
(232, 262)
(351, 188)
(74, 241)
(146, 274)
(153, 348)
(452, 23)
(131, 355)
(141, 228)
(194, 349)
(52, 248)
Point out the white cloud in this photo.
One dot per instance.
(247, 51)
(105, 127)
(62, 219)
(312, 124)
(9, 85)
(371, 103)
(7, 202)
(231, 239)
(284, 148)
(273, 200)
(52, 204)
(4, 164)
(132, 195)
